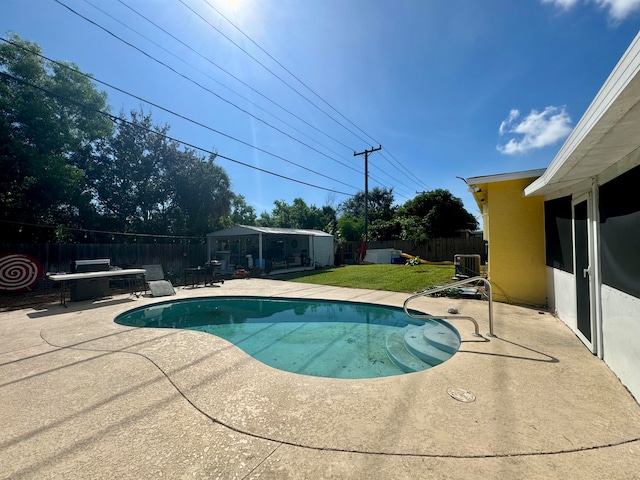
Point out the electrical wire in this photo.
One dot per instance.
(239, 80)
(305, 85)
(270, 71)
(151, 57)
(90, 77)
(205, 88)
(284, 68)
(118, 120)
(223, 70)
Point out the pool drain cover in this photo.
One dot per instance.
(462, 395)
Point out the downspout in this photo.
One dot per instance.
(596, 271)
(260, 250)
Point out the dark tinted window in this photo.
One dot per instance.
(558, 235)
(620, 232)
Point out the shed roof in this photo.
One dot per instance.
(252, 230)
(606, 133)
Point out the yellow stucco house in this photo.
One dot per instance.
(513, 227)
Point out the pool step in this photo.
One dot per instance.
(400, 356)
(441, 336)
(416, 348)
(416, 343)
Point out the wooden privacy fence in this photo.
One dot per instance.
(174, 258)
(437, 249)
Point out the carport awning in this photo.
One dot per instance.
(607, 133)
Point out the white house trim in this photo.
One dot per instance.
(608, 126)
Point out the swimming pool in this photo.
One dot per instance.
(322, 338)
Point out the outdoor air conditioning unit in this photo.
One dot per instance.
(467, 265)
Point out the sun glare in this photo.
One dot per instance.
(236, 6)
(239, 12)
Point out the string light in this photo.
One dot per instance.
(64, 229)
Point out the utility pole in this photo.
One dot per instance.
(366, 188)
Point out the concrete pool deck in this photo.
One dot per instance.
(83, 397)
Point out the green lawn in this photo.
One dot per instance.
(391, 277)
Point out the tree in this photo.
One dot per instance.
(385, 230)
(241, 214)
(299, 215)
(265, 220)
(129, 175)
(380, 211)
(143, 182)
(350, 228)
(380, 204)
(201, 189)
(49, 124)
(434, 214)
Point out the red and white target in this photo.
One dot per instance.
(19, 272)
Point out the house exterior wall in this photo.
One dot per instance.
(621, 336)
(620, 324)
(561, 296)
(516, 243)
(615, 314)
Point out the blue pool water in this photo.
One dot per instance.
(310, 337)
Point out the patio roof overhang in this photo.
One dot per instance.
(607, 133)
(240, 230)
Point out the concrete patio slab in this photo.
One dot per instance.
(83, 397)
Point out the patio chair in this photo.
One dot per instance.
(157, 282)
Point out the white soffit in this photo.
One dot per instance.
(607, 132)
(504, 177)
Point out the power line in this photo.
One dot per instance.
(269, 70)
(206, 89)
(223, 70)
(193, 81)
(409, 173)
(118, 120)
(198, 84)
(175, 113)
(209, 76)
(297, 78)
(281, 66)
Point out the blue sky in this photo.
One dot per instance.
(455, 88)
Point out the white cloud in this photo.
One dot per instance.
(565, 4)
(536, 130)
(618, 9)
(513, 115)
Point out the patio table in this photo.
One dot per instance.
(70, 277)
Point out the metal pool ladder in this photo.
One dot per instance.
(429, 291)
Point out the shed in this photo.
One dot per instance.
(271, 248)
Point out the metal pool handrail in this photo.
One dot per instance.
(447, 287)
